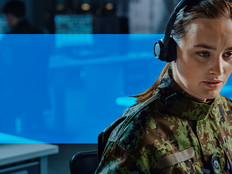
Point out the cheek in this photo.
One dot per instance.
(186, 73)
(190, 71)
(187, 68)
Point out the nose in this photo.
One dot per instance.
(217, 67)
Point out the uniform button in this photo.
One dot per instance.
(216, 164)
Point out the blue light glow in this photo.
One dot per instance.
(68, 88)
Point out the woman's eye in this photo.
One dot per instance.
(228, 55)
(203, 54)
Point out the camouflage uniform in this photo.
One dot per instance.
(171, 133)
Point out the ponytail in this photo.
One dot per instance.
(150, 91)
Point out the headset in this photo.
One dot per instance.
(166, 48)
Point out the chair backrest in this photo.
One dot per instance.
(84, 162)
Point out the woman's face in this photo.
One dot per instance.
(204, 58)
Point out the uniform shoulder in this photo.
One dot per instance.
(127, 118)
(125, 131)
(128, 133)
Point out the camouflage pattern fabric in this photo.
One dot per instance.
(171, 133)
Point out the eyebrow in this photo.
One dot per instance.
(229, 48)
(209, 47)
(204, 46)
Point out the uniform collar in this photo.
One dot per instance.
(177, 102)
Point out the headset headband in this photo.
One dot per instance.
(171, 22)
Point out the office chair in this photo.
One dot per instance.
(84, 162)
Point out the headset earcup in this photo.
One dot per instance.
(158, 49)
(171, 54)
(166, 54)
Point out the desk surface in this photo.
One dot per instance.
(11, 153)
(8, 139)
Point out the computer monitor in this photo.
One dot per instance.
(73, 24)
(67, 25)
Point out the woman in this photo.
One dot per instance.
(182, 124)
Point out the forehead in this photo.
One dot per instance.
(210, 30)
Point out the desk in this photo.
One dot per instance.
(30, 158)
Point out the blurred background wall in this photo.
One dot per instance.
(109, 16)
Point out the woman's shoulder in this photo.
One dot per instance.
(128, 132)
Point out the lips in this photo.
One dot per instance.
(213, 84)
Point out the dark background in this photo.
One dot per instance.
(41, 13)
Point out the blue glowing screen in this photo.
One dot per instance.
(68, 88)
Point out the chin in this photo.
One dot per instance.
(212, 96)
